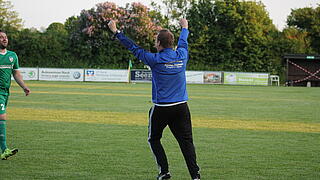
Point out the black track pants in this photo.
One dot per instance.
(178, 119)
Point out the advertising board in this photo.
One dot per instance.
(239, 78)
(106, 75)
(54, 74)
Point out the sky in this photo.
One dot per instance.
(41, 13)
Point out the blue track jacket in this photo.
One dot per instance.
(168, 68)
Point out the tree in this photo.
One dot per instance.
(56, 49)
(91, 39)
(28, 45)
(307, 19)
(231, 35)
(43, 49)
(9, 18)
(175, 9)
(297, 41)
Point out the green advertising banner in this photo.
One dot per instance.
(238, 78)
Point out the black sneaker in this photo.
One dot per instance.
(162, 176)
(197, 177)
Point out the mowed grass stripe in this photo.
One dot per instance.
(142, 119)
(80, 106)
(86, 93)
(85, 86)
(149, 96)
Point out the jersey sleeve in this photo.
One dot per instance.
(16, 62)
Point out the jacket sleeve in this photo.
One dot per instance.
(145, 56)
(182, 47)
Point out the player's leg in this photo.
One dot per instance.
(5, 151)
(3, 117)
(157, 123)
(180, 126)
(3, 135)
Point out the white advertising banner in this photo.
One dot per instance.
(28, 73)
(53, 74)
(106, 75)
(194, 77)
(241, 78)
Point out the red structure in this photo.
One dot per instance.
(303, 70)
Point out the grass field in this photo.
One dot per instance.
(71, 130)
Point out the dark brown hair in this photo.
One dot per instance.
(166, 38)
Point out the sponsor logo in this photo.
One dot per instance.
(76, 75)
(141, 75)
(232, 78)
(32, 74)
(212, 77)
(6, 66)
(90, 73)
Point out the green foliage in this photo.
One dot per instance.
(47, 49)
(175, 10)
(231, 35)
(156, 14)
(297, 40)
(226, 35)
(308, 20)
(91, 41)
(85, 41)
(27, 44)
(9, 19)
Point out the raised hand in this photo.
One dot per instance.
(184, 23)
(112, 26)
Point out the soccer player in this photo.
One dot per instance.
(8, 66)
(169, 95)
